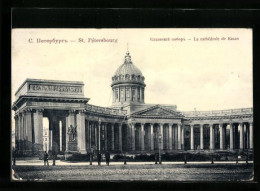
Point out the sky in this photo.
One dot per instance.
(203, 74)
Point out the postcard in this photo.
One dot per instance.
(153, 104)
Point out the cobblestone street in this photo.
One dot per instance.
(175, 172)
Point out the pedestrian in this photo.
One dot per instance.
(156, 158)
(99, 158)
(90, 158)
(14, 156)
(45, 158)
(107, 155)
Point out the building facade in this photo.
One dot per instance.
(129, 125)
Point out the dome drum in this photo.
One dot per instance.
(128, 79)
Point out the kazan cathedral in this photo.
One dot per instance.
(128, 126)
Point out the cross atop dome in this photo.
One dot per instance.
(128, 57)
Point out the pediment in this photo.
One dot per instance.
(158, 111)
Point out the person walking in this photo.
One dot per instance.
(14, 156)
(45, 158)
(99, 158)
(107, 155)
(90, 157)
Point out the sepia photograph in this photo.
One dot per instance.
(149, 104)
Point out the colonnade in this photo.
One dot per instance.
(169, 137)
(28, 130)
(128, 136)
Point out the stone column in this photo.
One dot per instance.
(140, 89)
(112, 136)
(105, 126)
(21, 131)
(182, 136)
(50, 139)
(133, 136)
(224, 136)
(152, 138)
(81, 132)
(201, 137)
(90, 135)
(221, 137)
(136, 94)
(70, 120)
(142, 136)
(28, 126)
(170, 137)
(16, 118)
(87, 136)
(241, 141)
(130, 93)
(211, 146)
(38, 130)
(192, 137)
(161, 132)
(231, 136)
(179, 137)
(96, 135)
(251, 135)
(120, 136)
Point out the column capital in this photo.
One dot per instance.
(210, 124)
(72, 111)
(39, 110)
(28, 110)
(142, 124)
(82, 111)
(23, 112)
(132, 123)
(161, 124)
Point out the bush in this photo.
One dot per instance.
(78, 157)
(145, 157)
(120, 157)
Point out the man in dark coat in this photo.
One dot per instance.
(45, 158)
(107, 158)
(90, 158)
(14, 156)
(99, 158)
(156, 156)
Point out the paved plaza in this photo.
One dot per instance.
(173, 171)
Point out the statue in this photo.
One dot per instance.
(72, 132)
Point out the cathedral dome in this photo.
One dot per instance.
(128, 68)
(128, 72)
(127, 84)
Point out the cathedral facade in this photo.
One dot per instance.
(128, 126)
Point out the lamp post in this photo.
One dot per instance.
(125, 119)
(160, 140)
(99, 151)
